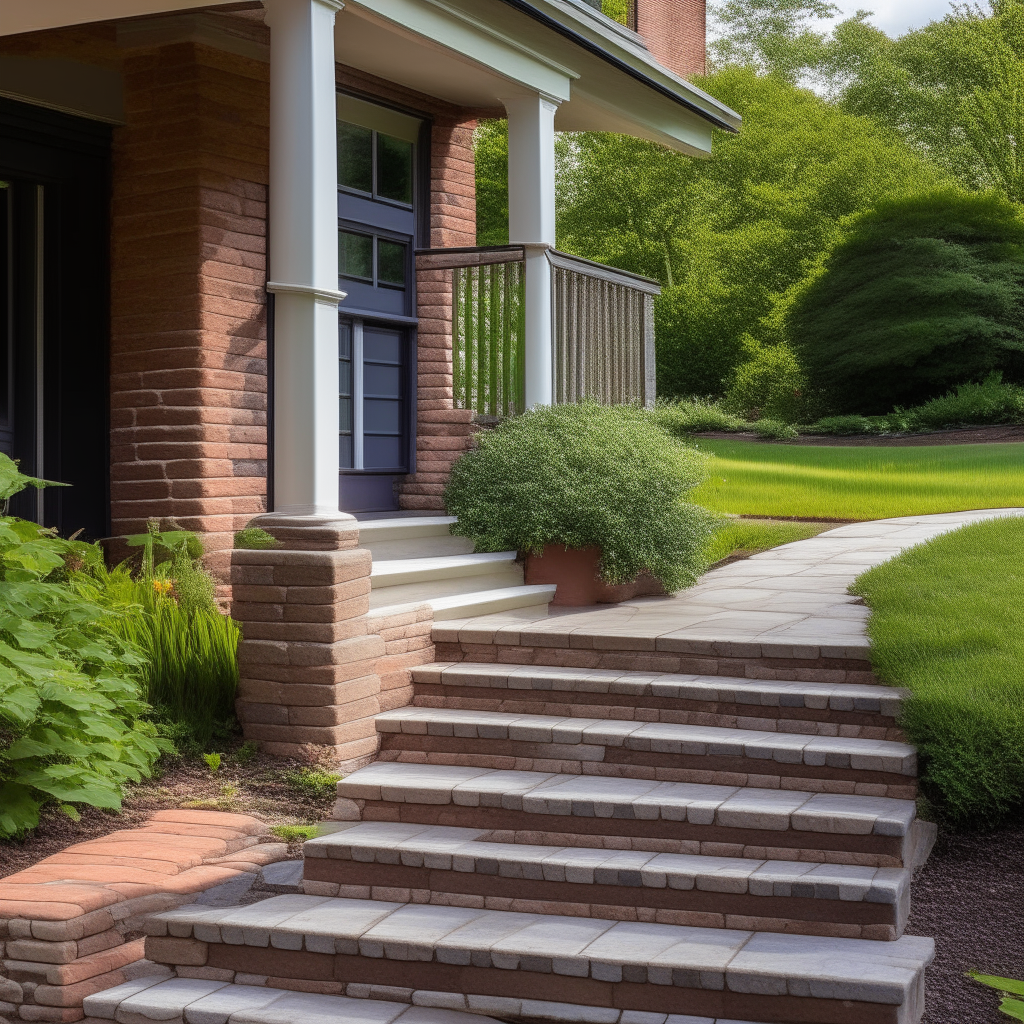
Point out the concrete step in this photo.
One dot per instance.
(643, 967)
(412, 537)
(461, 867)
(197, 1001)
(673, 753)
(823, 709)
(430, 591)
(399, 571)
(484, 601)
(551, 809)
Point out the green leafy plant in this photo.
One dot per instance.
(295, 833)
(212, 761)
(843, 426)
(775, 430)
(255, 538)
(769, 384)
(1008, 988)
(73, 723)
(696, 416)
(586, 475)
(316, 782)
(246, 753)
(990, 401)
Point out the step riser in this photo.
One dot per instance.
(522, 983)
(671, 710)
(622, 762)
(419, 547)
(696, 908)
(697, 662)
(657, 836)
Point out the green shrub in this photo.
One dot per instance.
(917, 296)
(73, 725)
(775, 430)
(842, 426)
(769, 383)
(696, 416)
(316, 782)
(586, 475)
(991, 401)
(947, 622)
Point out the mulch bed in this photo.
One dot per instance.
(970, 898)
(964, 435)
(260, 787)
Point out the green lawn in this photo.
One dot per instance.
(748, 536)
(828, 482)
(948, 623)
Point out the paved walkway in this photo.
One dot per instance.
(795, 594)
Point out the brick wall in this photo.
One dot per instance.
(188, 316)
(674, 31)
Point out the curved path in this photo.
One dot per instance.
(795, 594)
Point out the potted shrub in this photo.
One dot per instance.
(595, 497)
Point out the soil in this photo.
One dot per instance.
(969, 897)
(964, 435)
(261, 787)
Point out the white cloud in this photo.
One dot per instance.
(898, 16)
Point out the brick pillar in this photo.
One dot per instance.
(308, 659)
(188, 314)
(675, 33)
(443, 433)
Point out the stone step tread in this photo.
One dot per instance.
(404, 527)
(444, 848)
(760, 963)
(610, 797)
(536, 596)
(217, 1002)
(391, 572)
(662, 737)
(882, 700)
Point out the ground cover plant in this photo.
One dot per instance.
(74, 726)
(586, 475)
(947, 623)
(831, 482)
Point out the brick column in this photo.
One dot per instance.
(675, 33)
(308, 661)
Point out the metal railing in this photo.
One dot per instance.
(602, 329)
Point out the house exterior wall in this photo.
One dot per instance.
(675, 33)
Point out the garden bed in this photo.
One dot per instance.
(1001, 434)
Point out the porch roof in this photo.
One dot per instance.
(477, 54)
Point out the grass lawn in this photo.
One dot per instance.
(827, 482)
(748, 536)
(947, 622)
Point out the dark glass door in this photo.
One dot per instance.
(377, 226)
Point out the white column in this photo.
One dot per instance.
(531, 223)
(303, 232)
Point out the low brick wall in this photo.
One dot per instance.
(71, 925)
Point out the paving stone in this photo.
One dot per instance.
(217, 1007)
(104, 1004)
(167, 1001)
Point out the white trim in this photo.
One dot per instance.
(325, 295)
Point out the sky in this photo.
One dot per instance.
(896, 16)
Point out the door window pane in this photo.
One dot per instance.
(394, 169)
(382, 346)
(355, 157)
(382, 452)
(345, 393)
(382, 416)
(355, 255)
(382, 381)
(390, 263)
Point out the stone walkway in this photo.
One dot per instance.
(792, 595)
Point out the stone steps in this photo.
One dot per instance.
(551, 809)
(197, 1001)
(411, 537)
(462, 867)
(669, 752)
(825, 709)
(640, 967)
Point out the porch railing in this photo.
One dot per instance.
(602, 329)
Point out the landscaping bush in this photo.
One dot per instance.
(917, 296)
(991, 401)
(73, 726)
(696, 416)
(775, 430)
(843, 426)
(947, 622)
(586, 475)
(169, 612)
(768, 384)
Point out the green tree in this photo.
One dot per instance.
(954, 91)
(491, 146)
(918, 295)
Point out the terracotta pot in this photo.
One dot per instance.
(575, 573)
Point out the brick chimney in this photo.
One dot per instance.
(674, 31)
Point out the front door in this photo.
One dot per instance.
(54, 295)
(377, 230)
